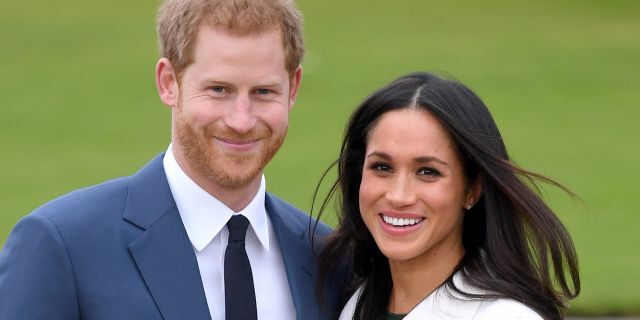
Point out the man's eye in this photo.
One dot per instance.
(217, 89)
(263, 91)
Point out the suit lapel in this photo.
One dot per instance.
(163, 253)
(299, 261)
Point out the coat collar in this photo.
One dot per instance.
(149, 198)
(300, 262)
(163, 252)
(166, 260)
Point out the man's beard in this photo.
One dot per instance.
(226, 168)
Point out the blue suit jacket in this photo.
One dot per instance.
(119, 250)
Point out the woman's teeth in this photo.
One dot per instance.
(401, 222)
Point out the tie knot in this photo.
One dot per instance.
(237, 226)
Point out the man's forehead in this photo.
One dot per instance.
(240, 29)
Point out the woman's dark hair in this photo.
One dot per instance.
(515, 246)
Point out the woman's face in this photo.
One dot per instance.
(413, 188)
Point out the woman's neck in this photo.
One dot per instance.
(415, 279)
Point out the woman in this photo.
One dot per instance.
(435, 221)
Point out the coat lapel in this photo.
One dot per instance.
(299, 260)
(163, 253)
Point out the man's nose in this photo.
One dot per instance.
(240, 117)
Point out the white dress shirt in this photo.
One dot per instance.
(205, 219)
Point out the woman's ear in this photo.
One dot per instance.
(474, 191)
(167, 83)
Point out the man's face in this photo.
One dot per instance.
(233, 107)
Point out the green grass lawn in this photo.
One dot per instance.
(562, 80)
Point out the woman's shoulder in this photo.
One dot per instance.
(506, 309)
(497, 308)
(446, 303)
(446, 306)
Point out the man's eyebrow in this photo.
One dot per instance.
(215, 81)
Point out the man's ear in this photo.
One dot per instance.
(294, 85)
(167, 83)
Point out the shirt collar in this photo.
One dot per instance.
(203, 215)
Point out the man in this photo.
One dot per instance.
(158, 244)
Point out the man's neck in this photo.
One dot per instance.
(235, 198)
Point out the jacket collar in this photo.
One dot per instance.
(300, 262)
(166, 260)
(163, 252)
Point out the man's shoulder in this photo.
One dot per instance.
(288, 211)
(86, 203)
(284, 208)
(101, 201)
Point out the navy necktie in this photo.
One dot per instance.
(239, 293)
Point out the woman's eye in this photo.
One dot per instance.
(428, 172)
(381, 167)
